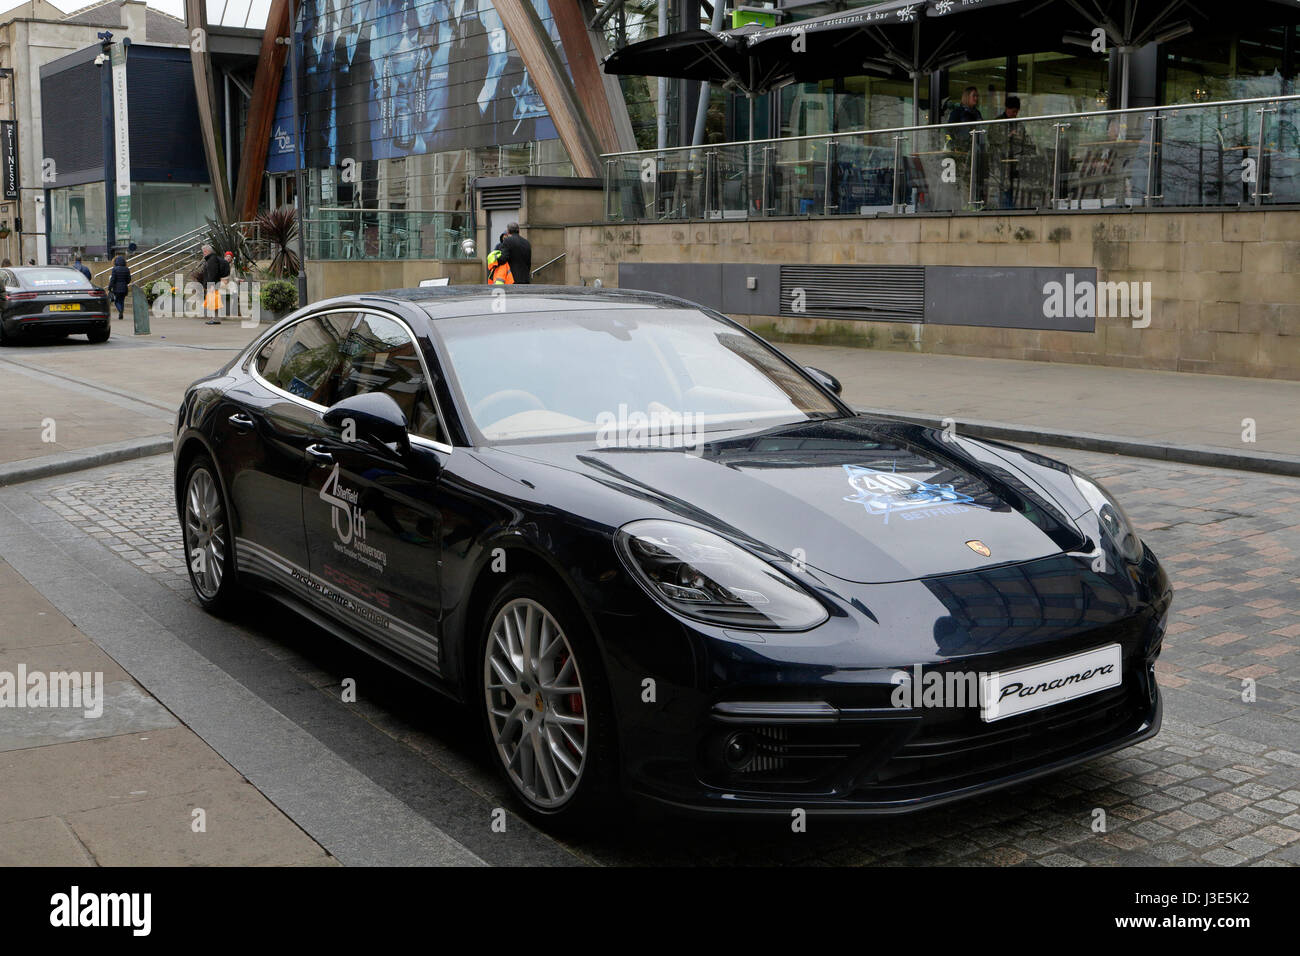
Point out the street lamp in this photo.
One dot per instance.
(297, 163)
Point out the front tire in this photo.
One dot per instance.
(546, 705)
(208, 542)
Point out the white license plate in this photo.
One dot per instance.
(1052, 682)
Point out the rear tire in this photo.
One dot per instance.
(207, 540)
(100, 335)
(545, 706)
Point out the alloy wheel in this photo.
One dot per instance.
(537, 710)
(205, 534)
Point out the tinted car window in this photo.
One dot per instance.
(304, 358)
(379, 355)
(53, 279)
(546, 374)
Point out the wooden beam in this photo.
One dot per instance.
(261, 108)
(196, 18)
(588, 77)
(562, 103)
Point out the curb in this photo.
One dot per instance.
(61, 463)
(1209, 456)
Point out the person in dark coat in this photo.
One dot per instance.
(118, 280)
(519, 254)
(211, 276)
(80, 267)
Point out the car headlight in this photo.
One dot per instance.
(1114, 522)
(705, 577)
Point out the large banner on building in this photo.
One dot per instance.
(381, 79)
(8, 159)
(121, 144)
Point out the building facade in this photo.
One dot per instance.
(170, 190)
(403, 105)
(33, 36)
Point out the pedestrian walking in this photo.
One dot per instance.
(118, 280)
(212, 264)
(80, 267)
(227, 269)
(518, 254)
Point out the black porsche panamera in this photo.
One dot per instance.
(658, 557)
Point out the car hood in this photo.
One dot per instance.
(864, 499)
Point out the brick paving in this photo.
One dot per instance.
(1220, 784)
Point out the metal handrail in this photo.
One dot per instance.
(822, 137)
(545, 264)
(143, 259)
(151, 263)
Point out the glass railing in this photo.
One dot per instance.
(1231, 153)
(347, 232)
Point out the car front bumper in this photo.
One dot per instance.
(830, 738)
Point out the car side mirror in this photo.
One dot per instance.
(824, 379)
(374, 417)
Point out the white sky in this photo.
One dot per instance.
(235, 11)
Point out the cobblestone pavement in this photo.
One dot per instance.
(1220, 784)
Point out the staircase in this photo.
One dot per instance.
(180, 254)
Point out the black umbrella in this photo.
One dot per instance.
(1128, 24)
(890, 38)
(690, 55)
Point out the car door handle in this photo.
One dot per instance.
(320, 452)
(241, 422)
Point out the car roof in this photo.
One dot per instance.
(446, 302)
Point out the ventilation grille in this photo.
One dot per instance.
(501, 197)
(879, 293)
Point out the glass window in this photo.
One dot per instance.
(162, 211)
(379, 355)
(547, 374)
(1226, 65)
(77, 217)
(303, 359)
(53, 279)
(1055, 82)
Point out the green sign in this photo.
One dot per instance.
(740, 17)
(123, 227)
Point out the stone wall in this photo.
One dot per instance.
(1225, 285)
(326, 278)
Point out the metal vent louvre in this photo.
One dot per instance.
(501, 197)
(882, 293)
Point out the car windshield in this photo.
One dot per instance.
(626, 375)
(53, 279)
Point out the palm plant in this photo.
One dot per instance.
(280, 228)
(229, 237)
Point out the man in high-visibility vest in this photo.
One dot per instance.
(498, 269)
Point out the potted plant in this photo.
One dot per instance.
(278, 299)
(280, 228)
